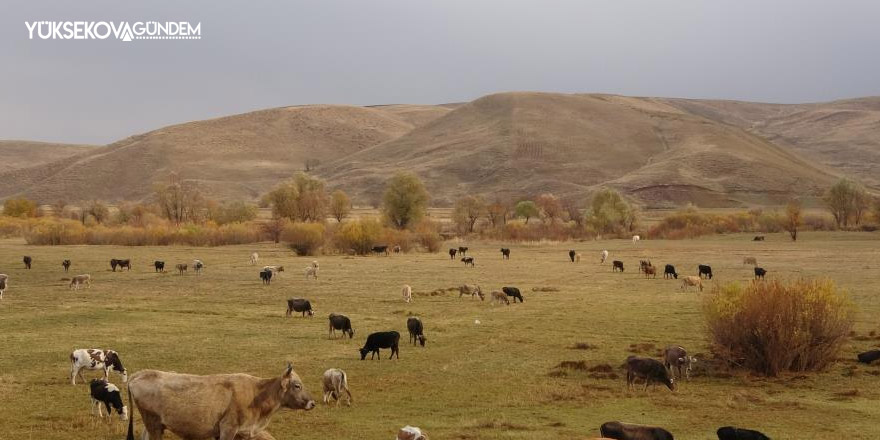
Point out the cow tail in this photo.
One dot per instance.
(130, 435)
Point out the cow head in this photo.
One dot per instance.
(293, 393)
(363, 352)
(350, 333)
(670, 383)
(422, 340)
(111, 358)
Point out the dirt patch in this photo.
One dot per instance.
(507, 426)
(545, 289)
(573, 365)
(437, 292)
(598, 371)
(583, 346)
(644, 348)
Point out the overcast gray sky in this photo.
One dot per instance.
(259, 54)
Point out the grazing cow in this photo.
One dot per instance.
(649, 369)
(636, 239)
(266, 276)
(705, 269)
(571, 255)
(254, 258)
(643, 264)
(462, 250)
(675, 356)
(626, 431)
(616, 266)
(760, 272)
(314, 263)
(407, 293)
(731, 433)
(869, 356)
(750, 260)
(311, 271)
(27, 261)
(416, 331)
(513, 292)
(336, 383)
(396, 249)
(577, 258)
(340, 322)
(650, 270)
(159, 266)
(79, 280)
(468, 261)
(690, 281)
(197, 266)
(380, 250)
(758, 238)
(121, 264)
(505, 253)
(498, 297)
(216, 407)
(95, 359)
(410, 433)
(299, 305)
(669, 272)
(275, 269)
(4, 280)
(452, 253)
(381, 340)
(103, 392)
(66, 265)
(181, 268)
(470, 289)
(604, 255)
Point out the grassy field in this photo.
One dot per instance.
(495, 380)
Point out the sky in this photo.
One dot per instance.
(261, 54)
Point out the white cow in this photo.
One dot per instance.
(3, 283)
(410, 433)
(407, 293)
(311, 271)
(198, 265)
(636, 239)
(79, 280)
(335, 384)
(95, 359)
(604, 255)
(254, 258)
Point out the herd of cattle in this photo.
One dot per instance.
(240, 405)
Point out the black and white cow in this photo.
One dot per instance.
(66, 265)
(198, 266)
(95, 359)
(159, 266)
(452, 253)
(505, 253)
(616, 266)
(513, 292)
(381, 340)
(106, 394)
(468, 261)
(571, 255)
(266, 276)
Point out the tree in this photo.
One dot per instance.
(300, 198)
(340, 205)
(467, 211)
(527, 209)
(58, 207)
(497, 213)
(574, 211)
(861, 203)
(405, 200)
(99, 211)
(609, 212)
(274, 228)
(283, 200)
(793, 218)
(232, 212)
(178, 202)
(20, 207)
(839, 200)
(551, 207)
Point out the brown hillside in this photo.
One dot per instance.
(522, 144)
(841, 134)
(24, 154)
(238, 156)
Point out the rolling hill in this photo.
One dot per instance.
(661, 151)
(25, 154)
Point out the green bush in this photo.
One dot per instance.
(304, 238)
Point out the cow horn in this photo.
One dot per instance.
(289, 369)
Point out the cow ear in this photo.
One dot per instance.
(288, 371)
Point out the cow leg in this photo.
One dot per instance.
(73, 372)
(153, 429)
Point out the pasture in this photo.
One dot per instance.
(516, 375)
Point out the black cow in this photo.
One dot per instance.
(340, 322)
(462, 250)
(869, 356)
(705, 270)
(758, 238)
(760, 272)
(626, 431)
(299, 305)
(66, 265)
(397, 249)
(380, 249)
(452, 253)
(468, 261)
(669, 272)
(121, 264)
(514, 292)
(27, 261)
(266, 276)
(731, 433)
(571, 255)
(103, 392)
(505, 253)
(381, 340)
(617, 265)
(416, 331)
(649, 369)
(159, 266)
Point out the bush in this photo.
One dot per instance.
(774, 326)
(67, 232)
(428, 236)
(21, 208)
(304, 238)
(357, 236)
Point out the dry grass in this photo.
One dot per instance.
(471, 381)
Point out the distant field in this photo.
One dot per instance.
(495, 380)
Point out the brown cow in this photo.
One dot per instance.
(219, 406)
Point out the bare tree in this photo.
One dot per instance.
(340, 205)
(793, 218)
(497, 212)
(467, 211)
(550, 206)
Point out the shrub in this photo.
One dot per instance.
(405, 200)
(68, 232)
(774, 326)
(428, 236)
(22, 208)
(358, 236)
(304, 238)
(12, 227)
